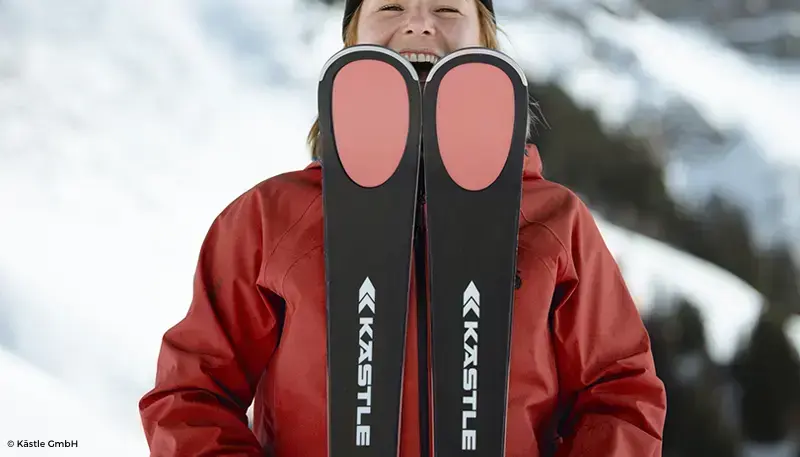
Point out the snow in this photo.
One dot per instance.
(723, 84)
(784, 448)
(44, 410)
(125, 128)
(654, 271)
(793, 330)
(733, 94)
(621, 64)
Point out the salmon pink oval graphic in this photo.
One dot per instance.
(474, 127)
(370, 107)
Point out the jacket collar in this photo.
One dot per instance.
(533, 162)
(532, 170)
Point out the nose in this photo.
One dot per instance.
(419, 23)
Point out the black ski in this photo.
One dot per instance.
(474, 132)
(369, 111)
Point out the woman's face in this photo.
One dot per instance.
(431, 28)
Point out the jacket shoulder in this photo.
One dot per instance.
(287, 191)
(277, 196)
(555, 221)
(272, 207)
(550, 204)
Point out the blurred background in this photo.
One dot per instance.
(126, 127)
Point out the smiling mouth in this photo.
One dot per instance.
(422, 62)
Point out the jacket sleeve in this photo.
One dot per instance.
(616, 403)
(211, 361)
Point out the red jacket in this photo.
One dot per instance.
(256, 330)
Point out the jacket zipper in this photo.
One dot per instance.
(420, 253)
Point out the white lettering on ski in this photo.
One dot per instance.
(471, 312)
(366, 314)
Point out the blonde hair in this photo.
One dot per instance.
(488, 39)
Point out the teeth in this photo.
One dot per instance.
(419, 57)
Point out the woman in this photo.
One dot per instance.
(582, 376)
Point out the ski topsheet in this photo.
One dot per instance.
(369, 116)
(474, 131)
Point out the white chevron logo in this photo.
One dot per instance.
(472, 299)
(366, 296)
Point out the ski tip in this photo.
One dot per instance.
(492, 53)
(367, 48)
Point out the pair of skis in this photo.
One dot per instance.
(385, 138)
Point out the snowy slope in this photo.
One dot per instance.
(37, 407)
(736, 117)
(125, 128)
(654, 271)
(793, 330)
